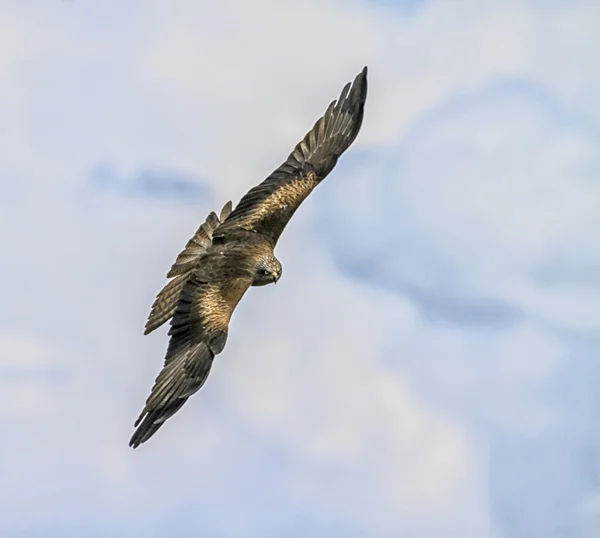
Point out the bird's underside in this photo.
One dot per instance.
(233, 251)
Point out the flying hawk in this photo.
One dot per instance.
(233, 251)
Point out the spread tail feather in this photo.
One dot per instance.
(165, 304)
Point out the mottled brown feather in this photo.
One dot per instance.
(268, 207)
(165, 303)
(281, 204)
(199, 327)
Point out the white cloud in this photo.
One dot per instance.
(503, 210)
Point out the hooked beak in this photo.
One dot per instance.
(275, 277)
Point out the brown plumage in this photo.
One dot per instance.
(165, 303)
(234, 251)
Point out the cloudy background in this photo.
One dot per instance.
(427, 367)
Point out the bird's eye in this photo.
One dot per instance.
(265, 272)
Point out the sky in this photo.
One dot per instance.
(428, 364)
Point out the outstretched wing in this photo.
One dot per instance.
(165, 303)
(269, 206)
(198, 332)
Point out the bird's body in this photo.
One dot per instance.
(234, 251)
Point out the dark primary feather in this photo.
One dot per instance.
(174, 385)
(166, 301)
(198, 332)
(268, 207)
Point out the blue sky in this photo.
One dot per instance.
(445, 277)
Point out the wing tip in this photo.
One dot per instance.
(145, 427)
(358, 93)
(137, 439)
(341, 122)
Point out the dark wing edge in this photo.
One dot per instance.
(311, 161)
(165, 303)
(334, 132)
(198, 332)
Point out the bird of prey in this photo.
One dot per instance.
(234, 251)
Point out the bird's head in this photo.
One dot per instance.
(267, 271)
